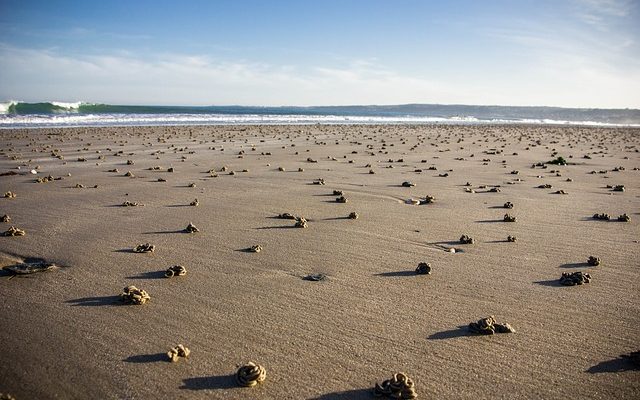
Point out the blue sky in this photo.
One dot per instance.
(574, 53)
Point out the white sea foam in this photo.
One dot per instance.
(4, 107)
(72, 120)
(67, 106)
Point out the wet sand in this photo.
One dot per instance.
(64, 333)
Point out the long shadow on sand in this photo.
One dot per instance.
(278, 227)
(396, 274)
(355, 394)
(575, 265)
(551, 283)
(489, 221)
(147, 358)
(96, 301)
(164, 232)
(209, 382)
(148, 275)
(460, 331)
(620, 364)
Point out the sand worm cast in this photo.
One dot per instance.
(13, 231)
(489, 326)
(464, 239)
(251, 374)
(176, 270)
(574, 278)
(144, 248)
(191, 228)
(301, 222)
(423, 268)
(593, 261)
(180, 351)
(400, 386)
(133, 295)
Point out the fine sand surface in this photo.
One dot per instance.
(65, 334)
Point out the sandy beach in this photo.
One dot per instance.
(66, 334)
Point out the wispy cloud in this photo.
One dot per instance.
(603, 14)
(126, 78)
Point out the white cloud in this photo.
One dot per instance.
(124, 78)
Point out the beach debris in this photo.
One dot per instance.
(624, 218)
(5, 218)
(194, 203)
(45, 179)
(251, 374)
(342, 199)
(408, 184)
(412, 202)
(423, 268)
(372, 172)
(400, 386)
(574, 278)
(509, 218)
(494, 190)
(256, 248)
(300, 169)
(191, 228)
(281, 169)
(560, 192)
(545, 186)
(130, 162)
(469, 190)
(319, 181)
(558, 161)
(301, 222)
(79, 186)
(593, 261)
(192, 185)
(315, 277)
(508, 204)
(144, 248)
(618, 188)
(9, 195)
(170, 169)
(464, 239)
(13, 231)
(602, 217)
(427, 200)
(511, 239)
(180, 351)
(489, 326)
(176, 270)
(338, 193)
(27, 268)
(353, 215)
(133, 295)
(113, 170)
(131, 204)
(129, 174)
(311, 160)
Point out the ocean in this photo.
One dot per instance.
(14, 114)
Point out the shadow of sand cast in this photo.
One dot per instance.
(209, 382)
(460, 331)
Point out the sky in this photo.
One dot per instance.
(568, 53)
